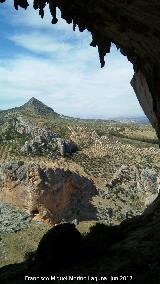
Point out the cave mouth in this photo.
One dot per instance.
(98, 42)
(34, 211)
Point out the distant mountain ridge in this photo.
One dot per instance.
(32, 107)
(138, 119)
(36, 107)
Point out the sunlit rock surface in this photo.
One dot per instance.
(47, 194)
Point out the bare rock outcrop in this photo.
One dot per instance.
(49, 194)
(144, 183)
(42, 140)
(128, 194)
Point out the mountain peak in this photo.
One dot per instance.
(37, 107)
(33, 100)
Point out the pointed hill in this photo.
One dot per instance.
(34, 106)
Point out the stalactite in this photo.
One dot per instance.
(74, 25)
(35, 4)
(66, 14)
(52, 8)
(103, 49)
(41, 8)
(81, 27)
(23, 4)
(101, 56)
(94, 41)
(16, 4)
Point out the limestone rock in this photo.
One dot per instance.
(13, 219)
(42, 140)
(143, 182)
(66, 147)
(149, 181)
(127, 194)
(125, 175)
(50, 194)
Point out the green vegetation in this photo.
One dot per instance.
(21, 245)
(17, 245)
(103, 147)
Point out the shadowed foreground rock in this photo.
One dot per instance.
(59, 247)
(131, 249)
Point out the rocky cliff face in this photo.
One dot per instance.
(49, 194)
(146, 181)
(55, 194)
(144, 184)
(42, 140)
(127, 194)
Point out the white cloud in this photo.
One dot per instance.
(30, 18)
(103, 92)
(40, 43)
(69, 78)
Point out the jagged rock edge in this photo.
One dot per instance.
(103, 47)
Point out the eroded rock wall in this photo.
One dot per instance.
(53, 195)
(145, 99)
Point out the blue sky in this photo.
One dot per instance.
(57, 66)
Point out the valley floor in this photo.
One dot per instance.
(55, 168)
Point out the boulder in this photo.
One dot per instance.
(59, 247)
